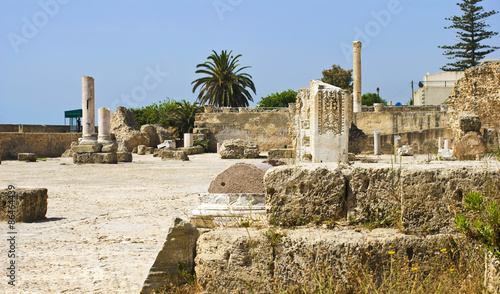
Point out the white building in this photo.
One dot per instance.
(436, 88)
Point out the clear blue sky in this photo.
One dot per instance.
(140, 52)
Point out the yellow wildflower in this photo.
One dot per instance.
(391, 252)
(414, 269)
(443, 250)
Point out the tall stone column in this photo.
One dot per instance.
(104, 121)
(88, 110)
(356, 73)
(376, 143)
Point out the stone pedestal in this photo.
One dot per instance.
(88, 110)
(376, 142)
(356, 73)
(31, 157)
(104, 121)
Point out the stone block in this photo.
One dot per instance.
(174, 155)
(95, 158)
(193, 150)
(469, 146)
(234, 260)
(113, 147)
(232, 149)
(31, 157)
(29, 204)
(122, 156)
(228, 261)
(470, 123)
(175, 259)
(281, 153)
(87, 148)
(134, 150)
(67, 153)
(141, 149)
(303, 194)
(149, 150)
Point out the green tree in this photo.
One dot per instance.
(369, 99)
(471, 31)
(224, 85)
(183, 116)
(338, 77)
(156, 113)
(278, 99)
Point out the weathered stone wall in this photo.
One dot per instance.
(237, 260)
(34, 128)
(42, 144)
(478, 92)
(270, 129)
(421, 198)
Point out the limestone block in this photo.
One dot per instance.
(469, 146)
(141, 149)
(304, 194)
(174, 155)
(470, 123)
(149, 150)
(175, 259)
(281, 153)
(230, 180)
(29, 204)
(125, 128)
(229, 260)
(87, 148)
(109, 157)
(232, 149)
(134, 150)
(405, 150)
(491, 139)
(113, 147)
(31, 157)
(235, 260)
(192, 150)
(122, 156)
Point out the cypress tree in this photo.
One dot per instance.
(471, 30)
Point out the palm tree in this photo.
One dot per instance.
(184, 115)
(224, 85)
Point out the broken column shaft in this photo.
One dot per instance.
(88, 110)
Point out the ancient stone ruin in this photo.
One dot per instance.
(322, 120)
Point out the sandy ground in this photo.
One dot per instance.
(105, 223)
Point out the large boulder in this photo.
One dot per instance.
(469, 146)
(231, 180)
(232, 149)
(156, 134)
(125, 128)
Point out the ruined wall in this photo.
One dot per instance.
(270, 129)
(42, 144)
(33, 128)
(477, 92)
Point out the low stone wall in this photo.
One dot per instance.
(420, 198)
(20, 128)
(237, 260)
(42, 144)
(271, 129)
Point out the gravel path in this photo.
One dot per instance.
(105, 223)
